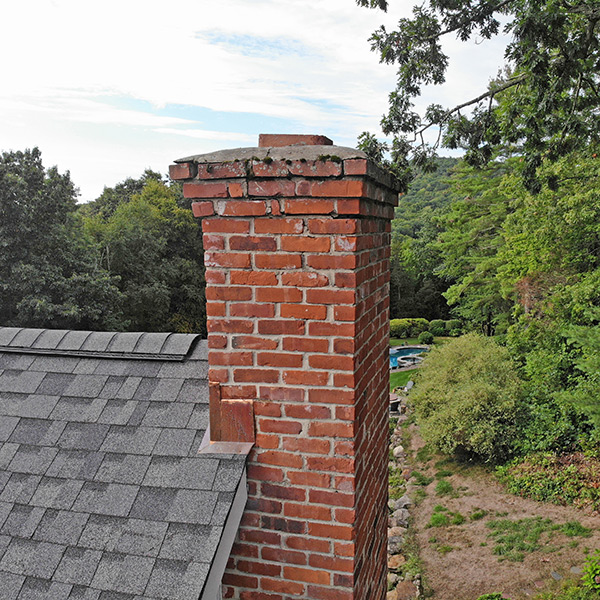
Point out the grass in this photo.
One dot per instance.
(401, 378)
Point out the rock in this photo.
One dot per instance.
(403, 502)
(396, 561)
(400, 518)
(406, 590)
(398, 451)
(395, 544)
(392, 579)
(576, 570)
(391, 595)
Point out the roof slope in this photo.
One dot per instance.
(102, 493)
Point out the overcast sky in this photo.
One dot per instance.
(107, 89)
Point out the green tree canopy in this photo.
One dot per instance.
(551, 80)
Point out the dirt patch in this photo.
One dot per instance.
(458, 560)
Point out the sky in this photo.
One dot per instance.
(108, 89)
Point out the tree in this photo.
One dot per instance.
(49, 276)
(551, 83)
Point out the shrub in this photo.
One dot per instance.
(425, 338)
(469, 399)
(453, 325)
(591, 572)
(403, 328)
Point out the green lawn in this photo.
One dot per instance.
(401, 378)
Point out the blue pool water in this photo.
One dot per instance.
(399, 352)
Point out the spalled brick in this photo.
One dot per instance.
(202, 189)
(271, 188)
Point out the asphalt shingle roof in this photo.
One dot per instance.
(103, 494)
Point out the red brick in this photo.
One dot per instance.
(216, 309)
(306, 511)
(217, 341)
(307, 575)
(182, 171)
(218, 277)
(218, 225)
(260, 537)
(278, 295)
(307, 411)
(330, 296)
(306, 445)
(278, 261)
(253, 342)
(280, 585)
(263, 473)
(253, 595)
(302, 311)
(309, 544)
(321, 396)
(221, 170)
(315, 168)
(281, 327)
(245, 550)
(281, 459)
(202, 209)
(227, 259)
(279, 426)
(347, 380)
(331, 329)
(305, 244)
(269, 442)
(305, 344)
(236, 190)
(283, 492)
(330, 463)
(230, 358)
(331, 563)
(345, 280)
(277, 359)
(253, 278)
(332, 498)
(309, 479)
(278, 225)
(278, 140)
(324, 361)
(346, 244)
(344, 346)
(281, 524)
(243, 208)
(309, 207)
(350, 207)
(269, 189)
(345, 413)
(218, 375)
(252, 243)
(321, 593)
(256, 375)
(237, 580)
(213, 242)
(270, 168)
(281, 394)
(344, 549)
(305, 377)
(228, 293)
(259, 568)
(252, 310)
(355, 166)
(284, 556)
(202, 189)
(267, 409)
(334, 532)
(229, 326)
(339, 188)
(344, 448)
(345, 516)
(309, 279)
(331, 429)
(326, 226)
(273, 507)
(238, 391)
(331, 261)
(344, 313)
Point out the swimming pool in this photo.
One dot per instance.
(402, 351)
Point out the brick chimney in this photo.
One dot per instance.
(296, 238)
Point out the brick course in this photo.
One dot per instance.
(297, 258)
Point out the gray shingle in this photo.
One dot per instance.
(22, 520)
(153, 503)
(117, 412)
(130, 536)
(73, 340)
(86, 386)
(50, 339)
(177, 580)
(20, 488)
(123, 468)
(54, 384)
(10, 584)
(200, 351)
(83, 436)
(16, 361)
(55, 364)
(124, 342)
(40, 432)
(35, 588)
(34, 460)
(7, 453)
(177, 472)
(55, 492)
(194, 390)
(61, 527)
(4, 477)
(179, 343)
(23, 405)
(85, 410)
(118, 596)
(228, 475)
(97, 341)
(26, 338)
(22, 382)
(106, 498)
(134, 440)
(197, 443)
(5, 508)
(199, 418)
(128, 389)
(7, 425)
(167, 414)
(87, 366)
(137, 416)
(192, 506)
(151, 343)
(123, 573)
(75, 464)
(175, 442)
(112, 386)
(81, 592)
(196, 369)
(222, 508)
(29, 557)
(145, 388)
(77, 566)
(190, 542)
(7, 334)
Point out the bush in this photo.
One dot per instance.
(591, 572)
(469, 399)
(452, 325)
(403, 328)
(425, 338)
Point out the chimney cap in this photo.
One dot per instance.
(279, 140)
